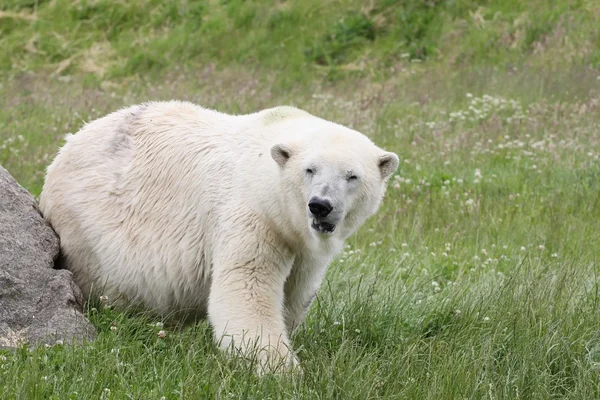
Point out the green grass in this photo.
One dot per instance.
(478, 278)
(116, 39)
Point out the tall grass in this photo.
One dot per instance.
(115, 39)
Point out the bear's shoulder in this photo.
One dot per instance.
(277, 114)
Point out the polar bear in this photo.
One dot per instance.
(187, 211)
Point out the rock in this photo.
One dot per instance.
(38, 304)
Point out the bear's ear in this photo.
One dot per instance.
(281, 153)
(388, 162)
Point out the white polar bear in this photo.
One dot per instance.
(181, 209)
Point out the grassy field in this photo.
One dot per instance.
(478, 279)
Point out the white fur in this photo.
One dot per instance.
(180, 209)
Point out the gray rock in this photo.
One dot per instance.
(38, 304)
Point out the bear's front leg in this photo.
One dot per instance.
(246, 301)
(301, 288)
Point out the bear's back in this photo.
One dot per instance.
(139, 188)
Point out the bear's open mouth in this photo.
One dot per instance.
(322, 226)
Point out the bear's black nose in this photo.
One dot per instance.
(320, 208)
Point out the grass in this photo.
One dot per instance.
(117, 39)
(478, 278)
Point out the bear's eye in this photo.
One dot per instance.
(310, 171)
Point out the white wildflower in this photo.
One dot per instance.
(470, 203)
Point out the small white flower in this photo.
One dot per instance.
(357, 330)
(484, 252)
(541, 247)
(523, 248)
(161, 334)
(404, 245)
(486, 319)
(113, 328)
(59, 342)
(104, 299)
(478, 174)
(159, 325)
(554, 255)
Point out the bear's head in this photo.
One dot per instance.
(333, 178)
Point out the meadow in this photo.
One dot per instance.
(479, 278)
